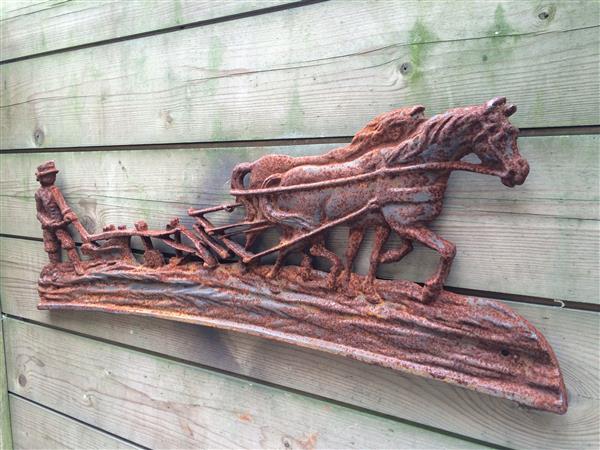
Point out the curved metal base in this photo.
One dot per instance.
(473, 342)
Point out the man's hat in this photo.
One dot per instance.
(45, 169)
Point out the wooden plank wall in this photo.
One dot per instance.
(5, 423)
(147, 106)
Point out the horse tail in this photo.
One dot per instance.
(237, 183)
(238, 174)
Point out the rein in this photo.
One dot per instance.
(450, 165)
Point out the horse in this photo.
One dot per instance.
(401, 186)
(387, 128)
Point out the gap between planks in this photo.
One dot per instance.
(526, 299)
(6, 441)
(202, 413)
(60, 418)
(200, 23)
(359, 384)
(551, 204)
(524, 132)
(231, 374)
(357, 77)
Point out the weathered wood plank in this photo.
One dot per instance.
(574, 335)
(15, 8)
(55, 25)
(5, 413)
(35, 427)
(321, 70)
(159, 403)
(545, 230)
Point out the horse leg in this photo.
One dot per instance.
(389, 256)
(306, 265)
(278, 264)
(396, 254)
(447, 250)
(281, 255)
(250, 239)
(319, 249)
(251, 214)
(355, 238)
(382, 233)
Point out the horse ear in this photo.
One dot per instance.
(417, 110)
(494, 103)
(510, 110)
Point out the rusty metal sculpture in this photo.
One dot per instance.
(392, 176)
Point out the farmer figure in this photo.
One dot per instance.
(55, 215)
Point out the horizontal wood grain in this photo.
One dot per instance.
(319, 70)
(546, 230)
(15, 8)
(160, 403)
(574, 335)
(55, 25)
(36, 427)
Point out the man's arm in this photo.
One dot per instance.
(41, 216)
(65, 209)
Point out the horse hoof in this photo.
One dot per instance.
(271, 274)
(371, 293)
(430, 293)
(331, 283)
(305, 274)
(375, 299)
(347, 290)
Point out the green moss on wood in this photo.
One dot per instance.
(419, 37)
(215, 60)
(177, 8)
(295, 115)
(502, 33)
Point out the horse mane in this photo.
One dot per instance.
(386, 129)
(487, 121)
(389, 127)
(437, 129)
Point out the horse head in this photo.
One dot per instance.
(496, 143)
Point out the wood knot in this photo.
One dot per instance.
(38, 137)
(405, 68)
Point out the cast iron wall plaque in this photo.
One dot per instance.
(392, 177)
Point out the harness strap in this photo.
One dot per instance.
(386, 171)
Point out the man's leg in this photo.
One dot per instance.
(51, 246)
(69, 245)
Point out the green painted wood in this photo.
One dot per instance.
(55, 25)
(574, 335)
(320, 70)
(5, 413)
(160, 403)
(546, 230)
(36, 427)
